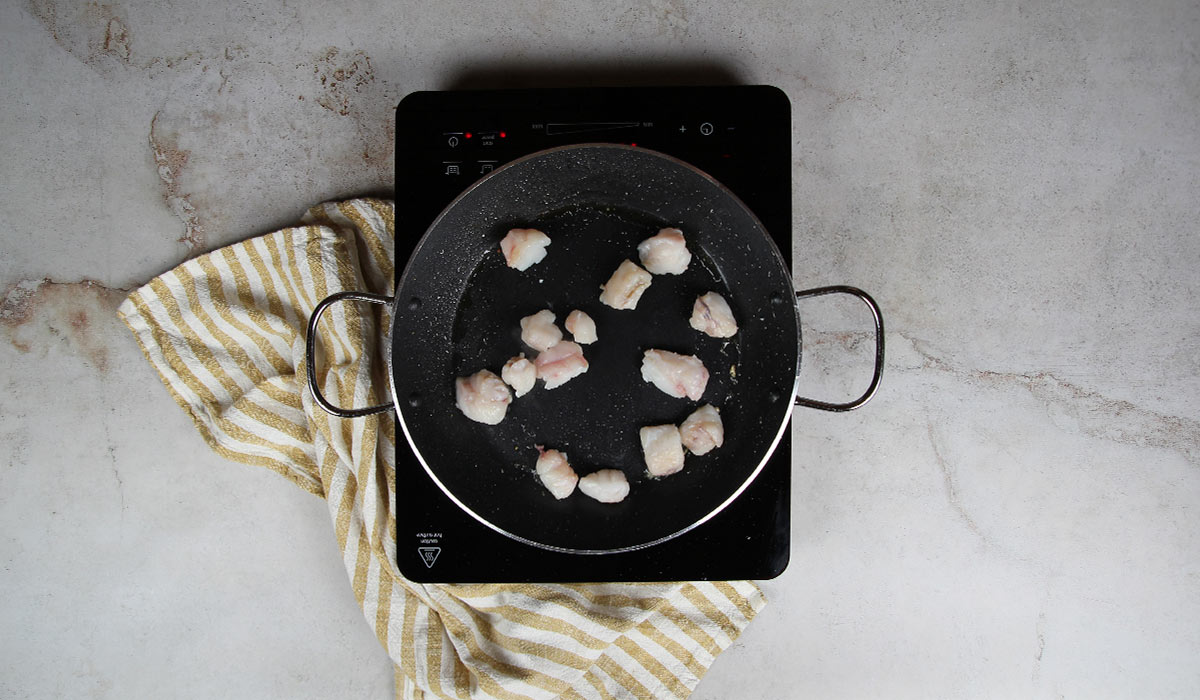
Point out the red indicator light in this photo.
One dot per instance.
(633, 144)
(468, 134)
(503, 135)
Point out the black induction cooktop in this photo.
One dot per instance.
(445, 141)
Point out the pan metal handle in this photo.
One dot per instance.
(310, 359)
(866, 298)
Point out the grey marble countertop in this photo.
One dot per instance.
(1018, 184)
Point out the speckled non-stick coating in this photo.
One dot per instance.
(458, 308)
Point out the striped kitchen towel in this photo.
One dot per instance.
(226, 333)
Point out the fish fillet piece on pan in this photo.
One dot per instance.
(556, 473)
(676, 375)
(560, 364)
(662, 449)
(665, 253)
(582, 327)
(520, 374)
(702, 431)
(538, 330)
(606, 485)
(712, 316)
(523, 247)
(482, 397)
(625, 287)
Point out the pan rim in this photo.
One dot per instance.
(429, 471)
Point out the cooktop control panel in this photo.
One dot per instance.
(445, 141)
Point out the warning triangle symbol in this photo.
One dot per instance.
(429, 555)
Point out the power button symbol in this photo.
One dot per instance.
(452, 141)
(706, 129)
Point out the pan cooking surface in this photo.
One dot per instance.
(584, 416)
(463, 312)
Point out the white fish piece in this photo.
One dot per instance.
(520, 374)
(662, 449)
(523, 247)
(582, 327)
(703, 431)
(676, 375)
(556, 473)
(560, 364)
(665, 253)
(625, 287)
(539, 332)
(483, 397)
(606, 485)
(712, 316)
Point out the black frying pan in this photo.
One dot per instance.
(457, 308)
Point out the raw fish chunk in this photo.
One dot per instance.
(665, 253)
(523, 247)
(482, 397)
(520, 374)
(676, 375)
(662, 448)
(560, 364)
(625, 287)
(539, 332)
(711, 315)
(556, 473)
(702, 431)
(606, 485)
(582, 327)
